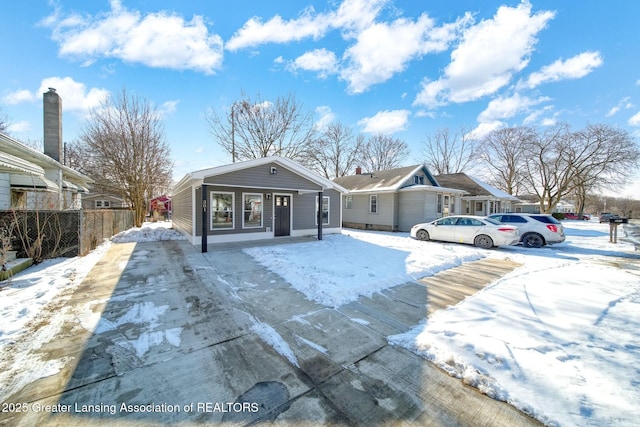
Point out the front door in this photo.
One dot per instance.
(282, 226)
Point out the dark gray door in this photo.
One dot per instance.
(282, 225)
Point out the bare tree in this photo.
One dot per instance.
(382, 152)
(4, 122)
(127, 151)
(335, 153)
(448, 152)
(503, 151)
(559, 161)
(255, 128)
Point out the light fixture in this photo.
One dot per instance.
(274, 170)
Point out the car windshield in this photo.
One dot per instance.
(493, 221)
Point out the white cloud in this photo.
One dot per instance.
(351, 16)
(483, 129)
(321, 61)
(75, 95)
(386, 122)
(384, 49)
(19, 127)
(506, 107)
(160, 40)
(573, 68)
(488, 56)
(624, 103)
(169, 107)
(19, 96)
(326, 115)
(635, 119)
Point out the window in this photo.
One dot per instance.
(348, 202)
(222, 211)
(252, 211)
(479, 207)
(439, 203)
(418, 179)
(98, 203)
(373, 204)
(325, 210)
(103, 204)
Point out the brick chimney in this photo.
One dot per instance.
(358, 170)
(52, 106)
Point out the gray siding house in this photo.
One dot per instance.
(396, 199)
(481, 199)
(262, 198)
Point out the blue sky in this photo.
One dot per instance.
(404, 68)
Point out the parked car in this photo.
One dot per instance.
(480, 231)
(536, 230)
(571, 215)
(606, 216)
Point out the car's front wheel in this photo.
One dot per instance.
(422, 235)
(483, 241)
(533, 240)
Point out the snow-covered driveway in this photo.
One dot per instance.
(557, 337)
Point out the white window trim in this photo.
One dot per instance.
(328, 210)
(233, 210)
(261, 211)
(377, 204)
(348, 202)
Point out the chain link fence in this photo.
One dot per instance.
(49, 234)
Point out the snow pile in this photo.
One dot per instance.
(149, 232)
(341, 268)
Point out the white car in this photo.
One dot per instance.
(536, 230)
(475, 230)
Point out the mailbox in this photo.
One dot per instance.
(618, 220)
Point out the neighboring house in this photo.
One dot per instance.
(481, 199)
(104, 201)
(30, 179)
(160, 207)
(256, 199)
(396, 199)
(531, 204)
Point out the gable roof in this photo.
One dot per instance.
(387, 180)
(473, 186)
(196, 178)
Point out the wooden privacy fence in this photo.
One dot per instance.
(48, 234)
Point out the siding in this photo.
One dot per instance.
(359, 215)
(5, 191)
(412, 209)
(304, 213)
(182, 210)
(261, 177)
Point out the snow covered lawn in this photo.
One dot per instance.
(557, 337)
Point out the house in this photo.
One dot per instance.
(104, 201)
(531, 204)
(396, 199)
(160, 207)
(262, 198)
(481, 198)
(30, 179)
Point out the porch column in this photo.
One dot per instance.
(319, 214)
(205, 218)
